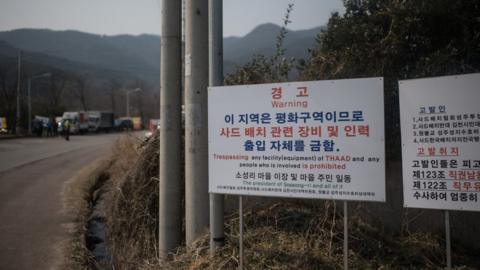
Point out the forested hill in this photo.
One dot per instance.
(138, 55)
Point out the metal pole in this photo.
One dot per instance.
(17, 124)
(29, 106)
(240, 237)
(128, 104)
(448, 243)
(170, 195)
(215, 78)
(196, 125)
(345, 235)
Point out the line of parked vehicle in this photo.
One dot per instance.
(81, 122)
(94, 121)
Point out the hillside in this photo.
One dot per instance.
(39, 62)
(138, 55)
(91, 51)
(262, 40)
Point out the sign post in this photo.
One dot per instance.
(440, 122)
(345, 235)
(240, 226)
(447, 240)
(316, 139)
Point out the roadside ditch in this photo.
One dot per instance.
(88, 201)
(96, 234)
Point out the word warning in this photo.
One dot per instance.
(318, 139)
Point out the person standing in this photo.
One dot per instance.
(66, 127)
(50, 128)
(35, 127)
(39, 128)
(55, 128)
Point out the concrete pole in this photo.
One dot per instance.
(170, 196)
(17, 124)
(215, 78)
(196, 126)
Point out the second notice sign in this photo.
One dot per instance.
(440, 120)
(317, 139)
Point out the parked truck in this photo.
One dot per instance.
(124, 124)
(78, 122)
(100, 121)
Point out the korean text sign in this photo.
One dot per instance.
(318, 139)
(440, 122)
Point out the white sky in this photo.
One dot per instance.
(113, 17)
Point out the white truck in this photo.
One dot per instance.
(78, 122)
(100, 121)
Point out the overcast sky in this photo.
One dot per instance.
(113, 17)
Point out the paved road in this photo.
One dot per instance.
(32, 174)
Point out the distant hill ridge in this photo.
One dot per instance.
(140, 55)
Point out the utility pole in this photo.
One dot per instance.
(29, 93)
(17, 124)
(196, 125)
(215, 78)
(170, 196)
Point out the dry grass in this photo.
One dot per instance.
(132, 203)
(296, 235)
(279, 234)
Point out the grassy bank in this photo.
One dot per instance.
(279, 233)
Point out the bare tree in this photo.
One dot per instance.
(8, 82)
(80, 89)
(113, 86)
(56, 88)
(138, 97)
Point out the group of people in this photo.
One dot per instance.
(51, 128)
(39, 127)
